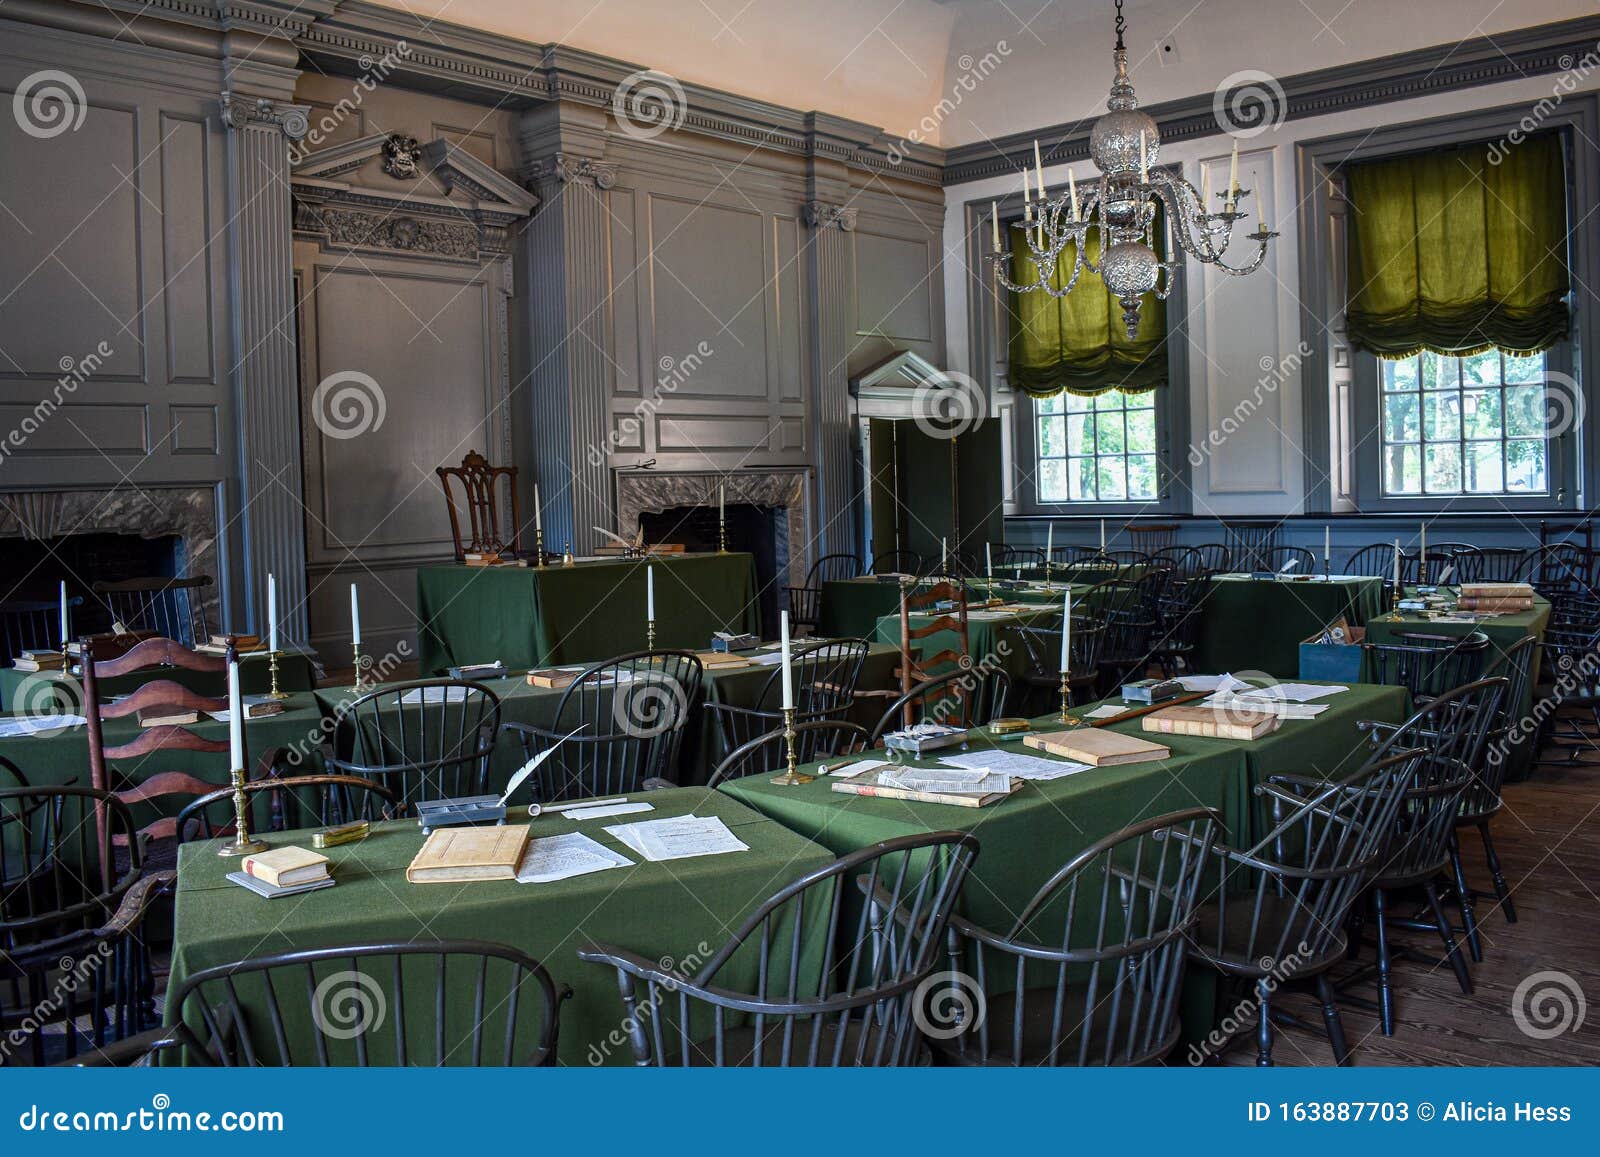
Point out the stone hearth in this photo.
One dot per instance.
(652, 491)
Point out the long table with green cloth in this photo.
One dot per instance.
(989, 633)
(851, 608)
(535, 616)
(305, 724)
(1026, 837)
(681, 910)
(1258, 624)
(1502, 631)
(22, 692)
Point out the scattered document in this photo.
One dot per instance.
(772, 659)
(614, 809)
(434, 695)
(1212, 683)
(1263, 706)
(1017, 765)
(948, 780)
(1291, 692)
(38, 724)
(1109, 710)
(562, 857)
(859, 766)
(679, 838)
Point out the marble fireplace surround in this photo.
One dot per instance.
(189, 512)
(654, 491)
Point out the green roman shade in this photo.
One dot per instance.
(1459, 250)
(1079, 342)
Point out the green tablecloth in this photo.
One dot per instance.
(1503, 631)
(988, 635)
(22, 691)
(303, 726)
(683, 909)
(532, 616)
(851, 608)
(1251, 624)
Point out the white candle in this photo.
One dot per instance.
(1233, 176)
(1027, 194)
(1072, 189)
(1066, 631)
(650, 593)
(788, 676)
(538, 517)
(1166, 231)
(1102, 536)
(1422, 550)
(1144, 163)
(355, 616)
(235, 718)
(1049, 543)
(988, 560)
(65, 628)
(944, 556)
(1327, 548)
(1205, 189)
(994, 224)
(722, 503)
(272, 612)
(1397, 566)
(1038, 168)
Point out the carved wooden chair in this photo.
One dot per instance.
(916, 667)
(173, 608)
(480, 486)
(112, 766)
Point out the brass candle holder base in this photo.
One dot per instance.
(790, 778)
(722, 535)
(361, 683)
(1394, 615)
(272, 669)
(650, 635)
(566, 556)
(538, 546)
(1066, 701)
(242, 844)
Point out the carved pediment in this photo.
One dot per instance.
(434, 199)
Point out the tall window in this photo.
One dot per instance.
(1099, 449)
(1472, 425)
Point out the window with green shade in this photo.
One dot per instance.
(1473, 425)
(1099, 449)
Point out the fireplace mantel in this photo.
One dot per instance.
(653, 491)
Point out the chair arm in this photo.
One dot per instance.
(131, 1050)
(136, 902)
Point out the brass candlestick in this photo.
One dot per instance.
(272, 668)
(1394, 615)
(361, 682)
(1066, 697)
(722, 533)
(1049, 574)
(790, 778)
(538, 546)
(566, 555)
(649, 634)
(242, 844)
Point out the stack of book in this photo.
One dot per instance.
(34, 661)
(554, 677)
(283, 872)
(167, 716)
(243, 644)
(1495, 598)
(111, 644)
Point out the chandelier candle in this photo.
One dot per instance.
(1120, 207)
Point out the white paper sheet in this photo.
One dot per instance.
(859, 766)
(1107, 710)
(953, 780)
(615, 809)
(679, 838)
(562, 857)
(1291, 692)
(1211, 683)
(38, 724)
(1276, 707)
(1037, 768)
(434, 695)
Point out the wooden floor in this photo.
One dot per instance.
(1548, 836)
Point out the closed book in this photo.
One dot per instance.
(240, 642)
(866, 783)
(286, 867)
(1209, 723)
(167, 717)
(112, 643)
(1488, 603)
(40, 661)
(460, 855)
(556, 677)
(721, 660)
(1097, 746)
(271, 892)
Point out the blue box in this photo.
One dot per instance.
(1333, 662)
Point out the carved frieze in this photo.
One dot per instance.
(820, 215)
(241, 112)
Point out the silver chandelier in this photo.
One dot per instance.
(1124, 145)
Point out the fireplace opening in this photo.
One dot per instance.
(756, 530)
(37, 567)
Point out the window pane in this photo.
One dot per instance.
(1400, 375)
(1400, 417)
(1142, 431)
(1525, 467)
(1049, 405)
(1525, 411)
(1403, 470)
(1524, 369)
(1109, 436)
(1481, 369)
(1142, 401)
(1110, 400)
(1077, 404)
(1441, 415)
(1483, 468)
(1080, 473)
(1444, 468)
(1080, 433)
(1113, 482)
(1439, 373)
(1052, 437)
(1052, 481)
(1142, 476)
(1480, 412)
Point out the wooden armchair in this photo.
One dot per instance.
(480, 485)
(160, 694)
(915, 667)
